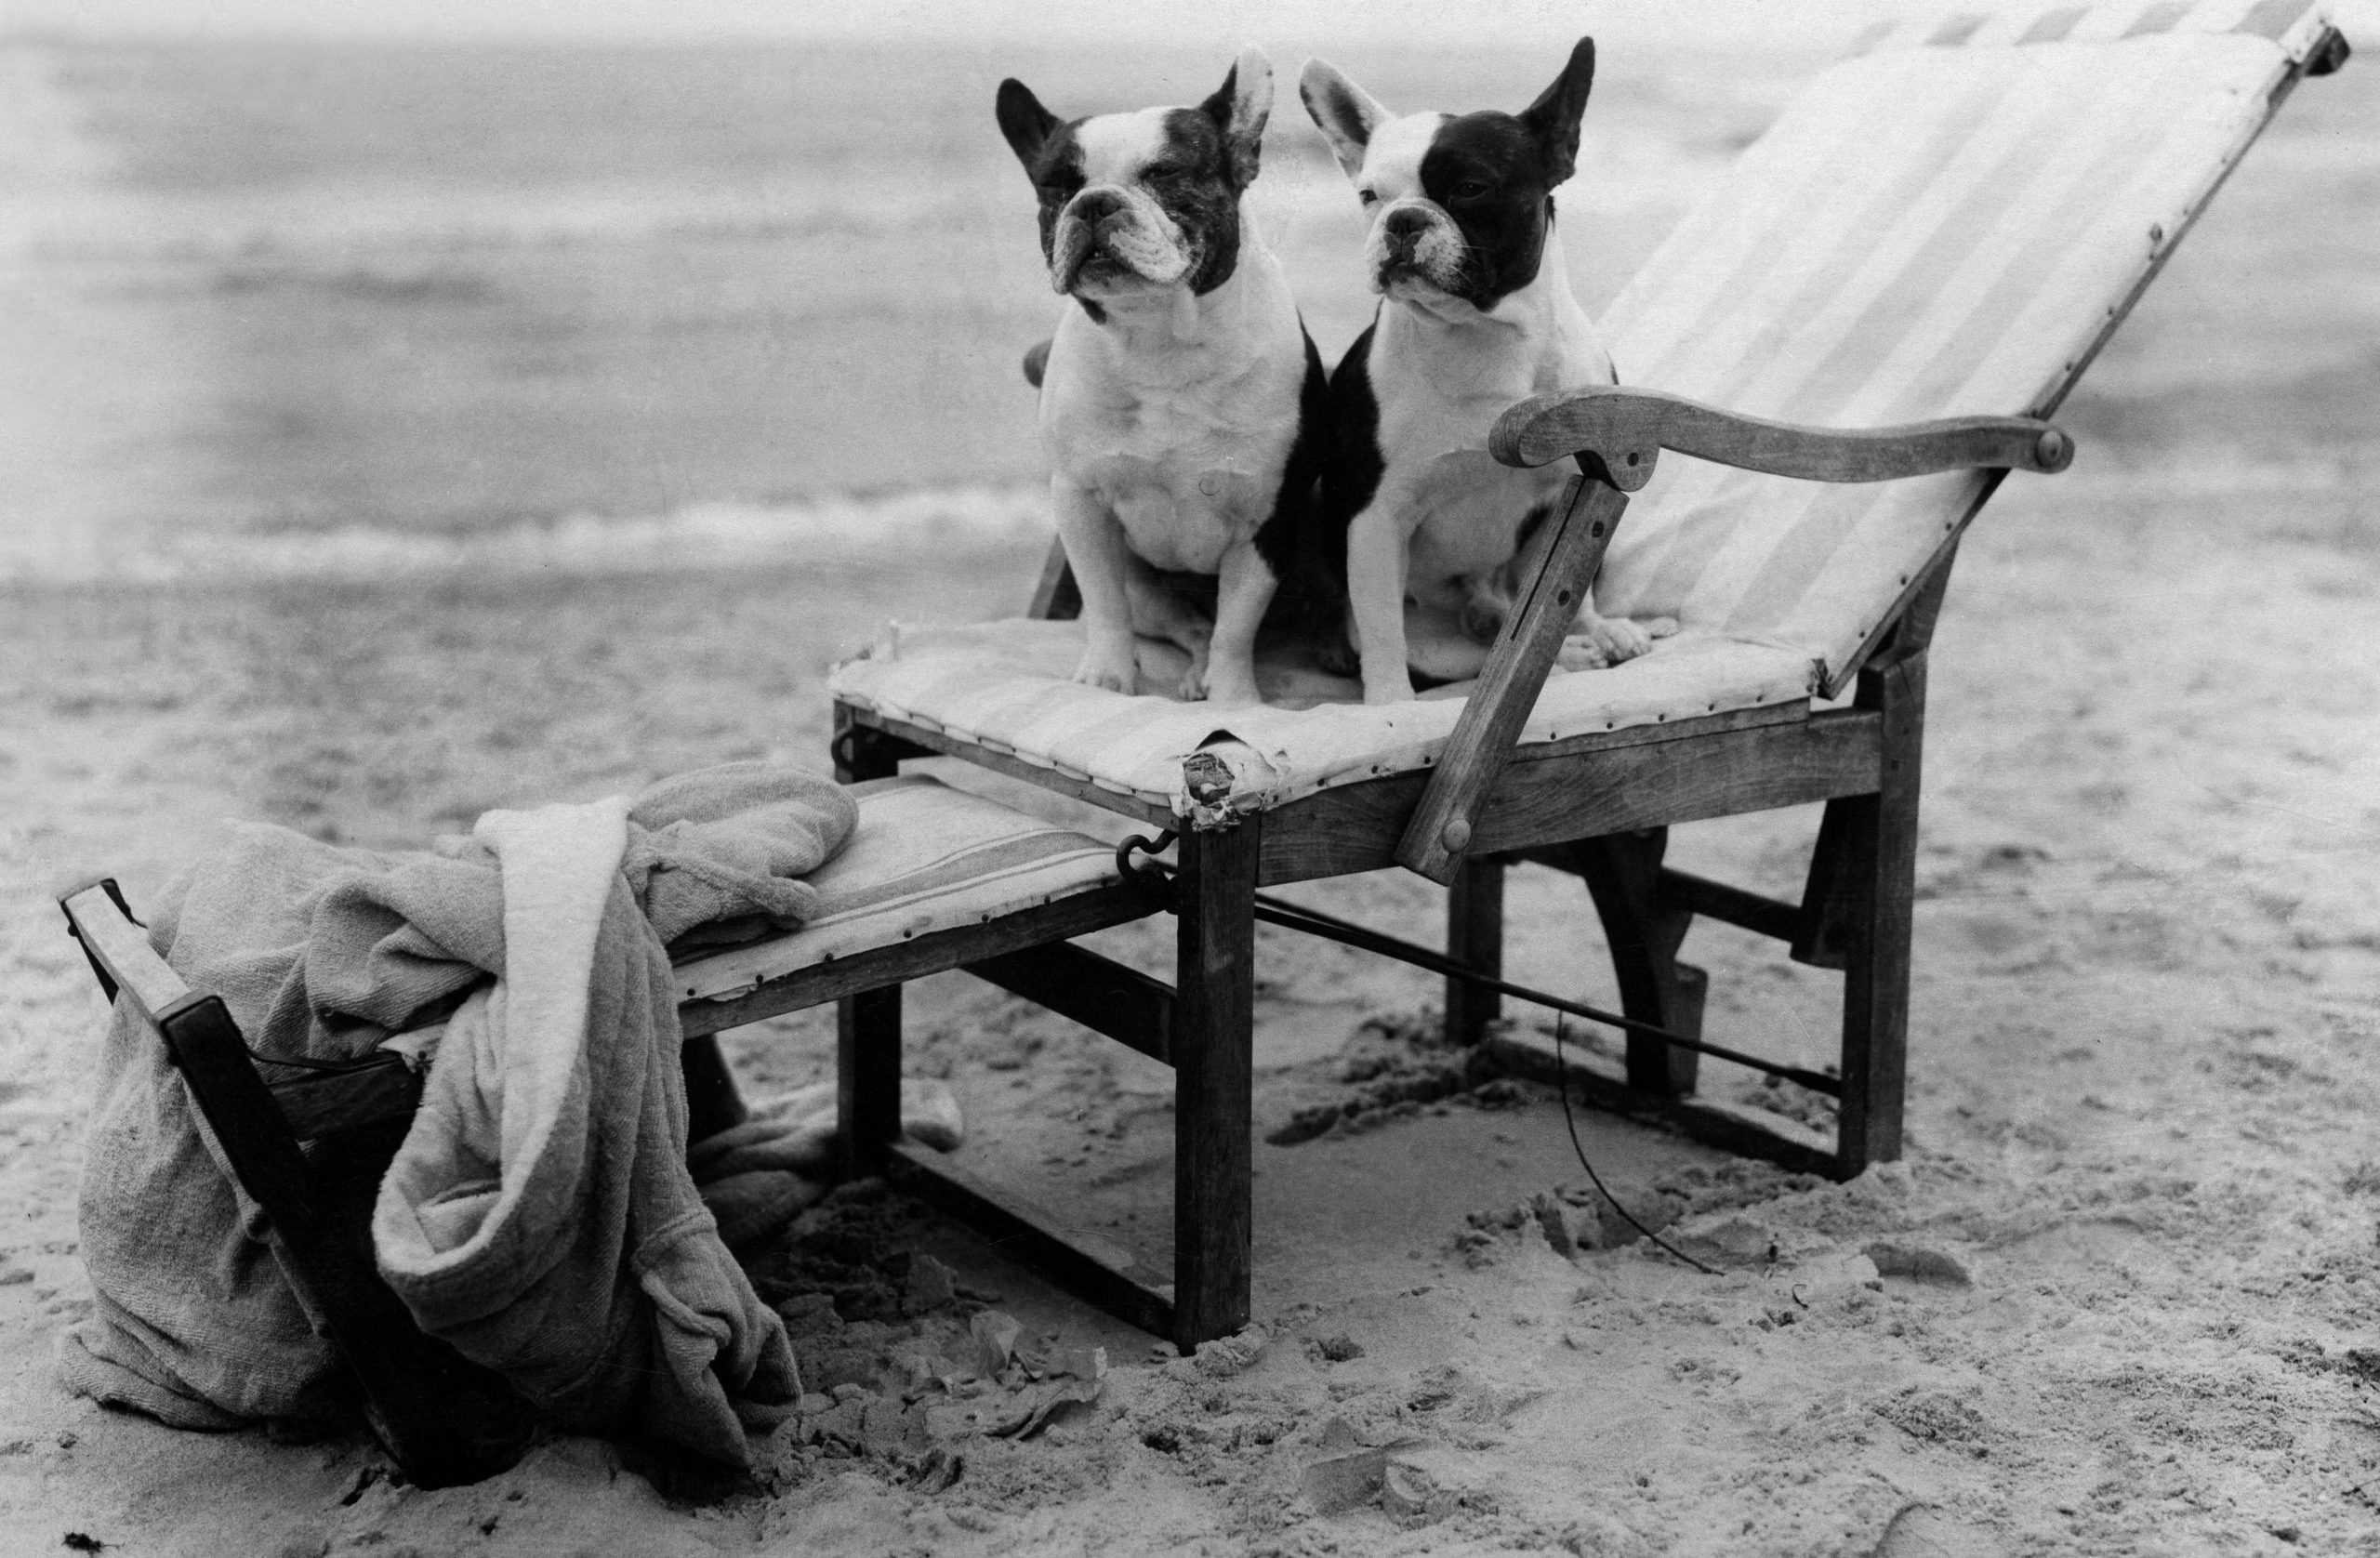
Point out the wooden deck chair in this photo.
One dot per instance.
(932, 879)
(1947, 225)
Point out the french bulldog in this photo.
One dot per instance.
(1475, 313)
(1183, 405)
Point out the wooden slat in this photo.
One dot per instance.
(1751, 769)
(1752, 911)
(1447, 818)
(1750, 1132)
(1132, 806)
(915, 958)
(1100, 994)
(122, 951)
(1627, 426)
(1098, 1270)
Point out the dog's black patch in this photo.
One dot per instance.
(1357, 461)
(1294, 540)
(1486, 172)
(1197, 180)
(1193, 180)
(1494, 174)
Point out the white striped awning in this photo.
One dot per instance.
(1948, 222)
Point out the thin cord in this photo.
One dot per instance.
(1562, 1073)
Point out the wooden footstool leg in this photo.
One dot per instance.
(867, 1076)
(1213, 1072)
(1476, 939)
(713, 1100)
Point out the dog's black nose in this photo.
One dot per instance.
(1407, 224)
(1093, 205)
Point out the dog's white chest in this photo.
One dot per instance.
(1187, 471)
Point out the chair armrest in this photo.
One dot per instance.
(1622, 432)
(1558, 567)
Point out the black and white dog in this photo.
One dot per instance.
(1182, 400)
(1475, 314)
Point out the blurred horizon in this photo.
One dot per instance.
(418, 292)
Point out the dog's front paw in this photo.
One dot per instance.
(1107, 670)
(1616, 636)
(1580, 653)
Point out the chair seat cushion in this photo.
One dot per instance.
(925, 857)
(1004, 685)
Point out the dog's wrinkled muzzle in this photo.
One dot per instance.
(1416, 242)
(1130, 233)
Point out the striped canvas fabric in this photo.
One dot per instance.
(925, 857)
(1947, 223)
(1004, 684)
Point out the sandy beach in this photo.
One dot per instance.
(2120, 1297)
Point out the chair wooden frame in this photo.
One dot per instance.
(1598, 806)
(1595, 805)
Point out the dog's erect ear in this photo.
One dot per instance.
(1239, 109)
(1347, 113)
(1554, 118)
(1023, 119)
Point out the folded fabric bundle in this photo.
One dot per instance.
(539, 1215)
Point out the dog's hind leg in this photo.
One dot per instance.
(1160, 612)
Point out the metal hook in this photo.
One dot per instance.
(1150, 879)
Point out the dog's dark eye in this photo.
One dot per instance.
(1370, 197)
(1470, 189)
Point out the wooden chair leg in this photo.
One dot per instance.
(713, 1100)
(1474, 938)
(867, 1026)
(1622, 872)
(867, 1076)
(1213, 1074)
(1877, 964)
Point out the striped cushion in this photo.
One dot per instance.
(1003, 684)
(1946, 224)
(924, 858)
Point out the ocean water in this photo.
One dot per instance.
(360, 307)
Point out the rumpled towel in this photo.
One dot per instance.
(585, 1217)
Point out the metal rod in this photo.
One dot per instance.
(1316, 923)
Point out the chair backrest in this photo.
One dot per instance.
(1948, 222)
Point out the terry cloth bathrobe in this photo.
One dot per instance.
(539, 1214)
